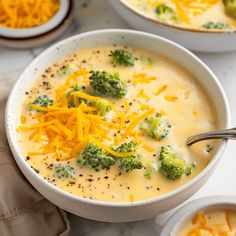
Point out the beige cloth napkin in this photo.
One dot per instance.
(23, 211)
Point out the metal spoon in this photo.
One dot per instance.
(220, 134)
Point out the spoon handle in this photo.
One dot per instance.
(220, 134)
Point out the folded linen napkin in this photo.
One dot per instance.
(23, 211)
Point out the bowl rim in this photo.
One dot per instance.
(139, 13)
(52, 23)
(193, 206)
(19, 157)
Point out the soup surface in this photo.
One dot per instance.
(117, 135)
(211, 222)
(198, 14)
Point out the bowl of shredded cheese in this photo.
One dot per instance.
(30, 18)
(214, 215)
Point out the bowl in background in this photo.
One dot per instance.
(187, 212)
(193, 39)
(40, 40)
(38, 30)
(114, 211)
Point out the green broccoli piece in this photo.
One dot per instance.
(107, 84)
(103, 106)
(166, 13)
(129, 163)
(170, 163)
(80, 100)
(230, 8)
(156, 127)
(216, 25)
(150, 169)
(64, 171)
(127, 147)
(43, 101)
(189, 168)
(94, 157)
(65, 70)
(122, 57)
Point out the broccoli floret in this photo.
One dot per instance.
(150, 169)
(65, 70)
(171, 164)
(127, 147)
(122, 57)
(166, 13)
(216, 25)
(129, 163)
(103, 106)
(189, 169)
(43, 101)
(80, 100)
(230, 8)
(64, 171)
(94, 157)
(156, 126)
(107, 84)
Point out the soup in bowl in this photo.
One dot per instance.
(205, 15)
(102, 119)
(203, 26)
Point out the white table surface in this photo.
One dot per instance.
(98, 15)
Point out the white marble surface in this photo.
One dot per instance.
(99, 15)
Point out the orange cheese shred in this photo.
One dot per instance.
(27, 13)
(138, 119)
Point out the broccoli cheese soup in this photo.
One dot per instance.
(198, 14)
(110, 124)
(211, 222)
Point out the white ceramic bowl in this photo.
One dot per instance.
(108, 211)
(187, 212)
(196, 40)
(39, 30)
(42, 39)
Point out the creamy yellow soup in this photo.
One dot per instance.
(57, 134)
(198, 14)
(219, 222)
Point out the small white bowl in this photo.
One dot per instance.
(39, 30)
(114, 211)
(193, 39)
(187, 212)
(38, 41)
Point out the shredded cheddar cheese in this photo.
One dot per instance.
(143, 78)
(170, 98)
(148, 148)
(131, 197)
(202, 226)
(138, 119)
(160, 90)
(64, 131)
(187, 9)
(143, 95)
(27, 13)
